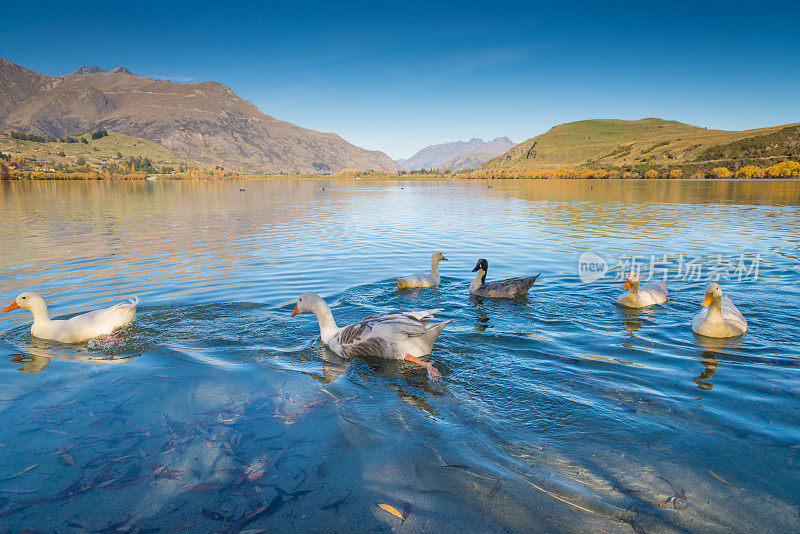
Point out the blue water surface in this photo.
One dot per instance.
(559, 412)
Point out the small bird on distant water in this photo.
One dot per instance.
(240, 189)
(76, 329)
(394, 335)
(509, 288)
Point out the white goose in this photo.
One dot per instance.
(640, 297)
(394, 335)
(720, 318)
(76, 329)
(431, 279)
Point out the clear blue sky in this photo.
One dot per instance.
(399, 77)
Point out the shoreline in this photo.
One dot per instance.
(96, 177)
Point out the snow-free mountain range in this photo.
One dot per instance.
(204, 121)
(457, 155)
(207, 123)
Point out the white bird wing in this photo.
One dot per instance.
(420, 315)
(732, 315)
(378, 334)
(417, 280)
(111, 317)
(656, 287)
(653, 293)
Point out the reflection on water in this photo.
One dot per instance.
(560, 412)
(709, 361)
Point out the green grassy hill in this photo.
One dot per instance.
(114, 147)
(620, 143)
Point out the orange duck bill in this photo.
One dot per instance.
(11, 307)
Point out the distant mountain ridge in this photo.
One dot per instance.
(652, 141)
(202, 121)
(457, 155)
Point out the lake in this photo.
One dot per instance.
(559, 412)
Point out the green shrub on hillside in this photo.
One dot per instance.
(783, 143)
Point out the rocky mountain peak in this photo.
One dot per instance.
(94, 69)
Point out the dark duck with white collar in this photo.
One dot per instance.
(510, 288)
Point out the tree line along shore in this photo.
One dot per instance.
(99, 156)
(790, 169)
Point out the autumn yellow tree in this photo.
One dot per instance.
(784, 169)
(750, 171)
(651, 174)
(676, 174)
(721, 172)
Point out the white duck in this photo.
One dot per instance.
(720, 318)
(394, 335)
(76, 329)
(431, 279)
(640, 297)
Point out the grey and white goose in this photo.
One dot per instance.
(394, 335)
(510, 288)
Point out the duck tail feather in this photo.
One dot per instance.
(419, 315)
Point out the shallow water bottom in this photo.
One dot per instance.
(560, 412)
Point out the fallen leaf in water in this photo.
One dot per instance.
(62, 451)
(15, 475)
(666, 502)
(68, 458)
(255, 475)
(183, 527)
(168, 473)
(215, 516)
(34, 500)
(253, 515)
(720, 478)
(99, 422)
(392, 510)
(174, 508)
(456, 466)
(205, 487)
(406, 511)
(496, 487)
